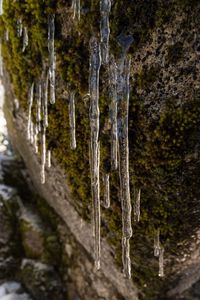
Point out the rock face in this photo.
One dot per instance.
(164, 146)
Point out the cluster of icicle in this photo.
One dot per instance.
(119, 94)
(39, 129)
(76, 9)
(22, 32)
(159, 252)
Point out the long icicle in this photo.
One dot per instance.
(72, 120)
(105, 7)
(52, 57)
(19, 27)
(137, 206)
(123, 107)
(106, 182)
(95, 63)
(30, 103)
(113, 112)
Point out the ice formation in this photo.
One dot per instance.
(95, 64)
(7, 35)
(39, 104)
(25, 38)
(137, 206)
(45, 109)
(52, 57)
(76, 8)
(123, 144)
(1, 60)
(19, 27)
(105, 7)
(72, 120)
(43, 153)
(106, 182)
(30, 103)
(49, 158)
(113, 112)
(1, 7)
(161, 262)
(157, 243)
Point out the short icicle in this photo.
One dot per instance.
(157, 243)
(95, 64)
(7, 35)
(72, 120)
(137, 206)
(30, 103)
(49, 158)
(52, 57)
(123, 144)
(113, 112)
(106, 182)
(105, 7)
(25, 39)
(161, 262)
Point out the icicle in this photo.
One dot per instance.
(72, 121)
(52, 57)
(1, 61)
(105, 7)
(31, 132)
(7, 35)
(19, 28)
(45, 116)
(43, 160)
(76, 8)
(49, 158)
(157, 243)
(95, 63)
(1, 7)
(161, 262)
(25, 38)
(30, 103)
(123, 106)
(106, 181)
(39, 103)
(36, 138)
(113, 112)
(137, 206)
